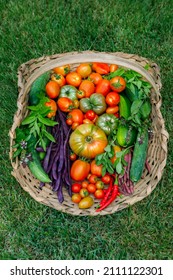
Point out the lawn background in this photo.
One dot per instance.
(29, 230)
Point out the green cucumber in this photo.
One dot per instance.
(126, 135)
(124, 107)
(37, 169)
(139, 155)
(38, 88)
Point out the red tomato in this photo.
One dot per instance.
(88, 87)
(65, 104)
(103, 87)
(91, 188)
(79, 170)
(52, 89)
(90, 114)
(73, 156)
(113, 67)
(73, 79)
(101, 68)
(99, 194)
(76, 187)
(117, 84)
(59, 79)
(106, 179)
(112, 110)
(76, 115)
(112, 98)
(84, 70)
(53, 106)
(76, 198)
(95, 78)
(99, 185)
(69, 121)
(84, 184)
(96, 169)
(93, 178)
(63, 70)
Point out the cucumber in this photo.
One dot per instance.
(126, 135)
(38, 88)
(139, 155)
(124, 107)
(37, 169)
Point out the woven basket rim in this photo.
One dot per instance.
(34, 68)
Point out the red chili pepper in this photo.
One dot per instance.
(110, 200)
(109, 189)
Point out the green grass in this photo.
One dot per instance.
(29, 230)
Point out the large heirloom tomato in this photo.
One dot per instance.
(88, 140)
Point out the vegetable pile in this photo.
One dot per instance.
(87, 130)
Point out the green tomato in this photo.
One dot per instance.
(107, 122)
(68, 91)
(96, 102)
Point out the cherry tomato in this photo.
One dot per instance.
(73, 79)
(116, 149)
(76, 115)
(80, 94)
(84, 70)
(65, 104)
(76, 187)
(53, 106)
(99, 185)
(93, 178)
(117, 84)
(99, 194)
(63, 70)
(79, 170)
(76, 198)
(112, 98)
(59, 79)
(76, 103)
(84, 184)
(88, 87)
(74, 125)
(106, 179)
(101, 68)
(84, 192)
(95, 78)
(73, 156)
(96, 169)
(91, 188)
(90, 114)
(103, 87)
(52, 89)
(69, 121)
(112, 110)
(86, 202)
(113, 67)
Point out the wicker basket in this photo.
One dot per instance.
(157, 151)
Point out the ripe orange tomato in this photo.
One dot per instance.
(52, 89)
(76, 187)
(65, 104)
(117, 84)
(113, 67)
(96, 169)
(84, 184)
(106, 179)
(73, 156)
(84, 192)
(88, 87)
(76, 115)
(63, 70)
(101, 68)
(99, 194)
(112, 98)
(95, 78)
(93, 178)
(73, 79)
(59, 79)
(74, 125)
(91, 188)
(80, 94)
(53, 106)
(112, 110)
(85, 121)
(69, 121)
(103, 87)
(79, 170)
(76, 198)
(84, 70)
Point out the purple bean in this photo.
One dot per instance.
(47, 157)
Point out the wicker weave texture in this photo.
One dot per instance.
(157, 150)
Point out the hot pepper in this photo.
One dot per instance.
(106, 200)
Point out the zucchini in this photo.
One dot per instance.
(37, 169)
(38, 88)
(139, 155)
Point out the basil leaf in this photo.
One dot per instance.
(17, 152)
(47, 121)
(29, 119)
(119, 167)
(49, 136)
(136, 106)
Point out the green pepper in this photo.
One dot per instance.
(68, 91)
(96, 102)
(107, 122)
